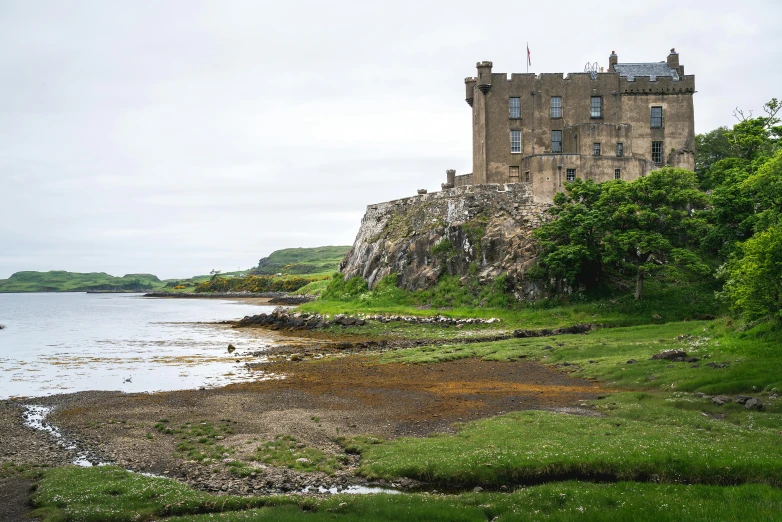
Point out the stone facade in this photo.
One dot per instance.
(488, 230)
(628, 96)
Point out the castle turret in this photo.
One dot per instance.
(484, 76)
(450, 177)
(612, 60)
(469, 85)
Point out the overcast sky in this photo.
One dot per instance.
(174, 137)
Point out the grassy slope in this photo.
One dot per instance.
(319, 260)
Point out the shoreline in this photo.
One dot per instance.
(343, 394)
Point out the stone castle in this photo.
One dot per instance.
(544, 130)
(531, 134)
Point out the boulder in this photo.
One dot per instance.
(741, 399)
(721, 400)
(670, 355)
(753, 404)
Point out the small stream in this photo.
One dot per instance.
(35, 418)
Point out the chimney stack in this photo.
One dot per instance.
(612, 60)
(673, 60)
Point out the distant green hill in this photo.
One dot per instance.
(289, 261)
(319, 260)
(62, 281)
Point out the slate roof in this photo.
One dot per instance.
(654, 69)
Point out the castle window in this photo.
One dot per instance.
(570, 174)
(617, 173)
(526, 176)
(620, 149)
(657, 152)
(515, 108)
(596, 107)
(515, 142)
(513, 174)
(556, 106)
(556, 141)
(595, 149)
(657, 117)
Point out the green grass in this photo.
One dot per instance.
(319, 260)
(669, 302)
(287, 451)
(199, 441)
(313, 288)
(753, 358)
(110, 494)
(641, 437)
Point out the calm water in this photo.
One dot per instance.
(59, 343)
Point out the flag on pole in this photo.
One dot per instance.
(529, 61)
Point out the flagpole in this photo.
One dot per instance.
(527, 56)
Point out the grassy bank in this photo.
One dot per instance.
(114, 495)
(638, 437)
(663, 433)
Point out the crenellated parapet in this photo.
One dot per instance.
(656, 85)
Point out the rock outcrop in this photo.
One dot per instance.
(480, 230)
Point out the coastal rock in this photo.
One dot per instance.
(478, 231)
(675, 355)
(721, 400)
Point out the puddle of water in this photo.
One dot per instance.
(352, 490)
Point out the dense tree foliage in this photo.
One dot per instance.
(632, 229)
(728, 213)
(754, 276)
(254, 284)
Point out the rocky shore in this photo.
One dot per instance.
(216, 295)
(281, 318)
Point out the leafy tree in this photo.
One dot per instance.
(710, 148)
(765, 188)
(754, 276)
(572, 243)
(752, 137)
(631, 228)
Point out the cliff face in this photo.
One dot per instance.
(481, 230)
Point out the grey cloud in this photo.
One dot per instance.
(179, 136)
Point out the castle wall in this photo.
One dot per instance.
(625, 118)
(548, 172)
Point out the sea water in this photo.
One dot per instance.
(68, 342)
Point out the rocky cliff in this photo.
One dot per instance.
(477, 230)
